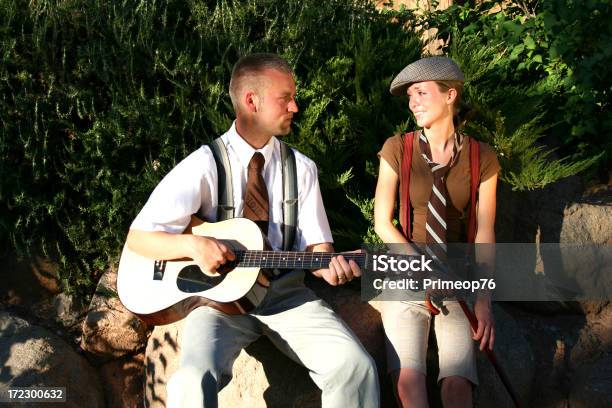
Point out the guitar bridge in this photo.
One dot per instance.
(159, 267)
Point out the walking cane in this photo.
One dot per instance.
(490, 355)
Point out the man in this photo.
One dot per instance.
(262, 90)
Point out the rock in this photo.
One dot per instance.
(123, 381)
(592, 386)
(557, 213)
(31, 356)
(264, 377)
(514, 355)
(549, 307)
(68, 309)
(595, 307)
(161, 361)
(47, 273)
(110, 331)
(575, 232)
(19, 285)
(595, 339)
(585, 223)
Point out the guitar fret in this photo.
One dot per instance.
(290, 260)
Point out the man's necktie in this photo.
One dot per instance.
(256, 205)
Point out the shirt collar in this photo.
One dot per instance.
(459, 140)
(244, 151)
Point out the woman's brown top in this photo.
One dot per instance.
(421, 182)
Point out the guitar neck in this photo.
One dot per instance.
(292, 260)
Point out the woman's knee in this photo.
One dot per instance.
(456, 383)
(456, 391)
(410, 387)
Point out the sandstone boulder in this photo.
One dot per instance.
(68, 309)
(31, 356)
(161, 361)
(595, 340)
(587, 223)
(110, 331)
(47, 273)
(262, 375)
(583, 227)
(123, 381)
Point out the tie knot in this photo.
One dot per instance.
(257, 162)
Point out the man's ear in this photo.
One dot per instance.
(251, 101)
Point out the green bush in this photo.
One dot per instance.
(101, 99)
(555, 58)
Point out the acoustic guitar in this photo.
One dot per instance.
(162, 292)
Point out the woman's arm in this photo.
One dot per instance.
(485, 257)
(384, 203)
(485, 214)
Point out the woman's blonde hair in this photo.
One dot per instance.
(462, 112)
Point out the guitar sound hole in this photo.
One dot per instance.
(191, 279)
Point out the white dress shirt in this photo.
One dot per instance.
(192, 185)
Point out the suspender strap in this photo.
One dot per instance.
(474, 183)
(225, 207)
(225, 202)
(405, 187)
(290, 196)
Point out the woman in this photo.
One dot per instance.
(439, 193)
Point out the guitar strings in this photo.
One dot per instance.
(277, 259)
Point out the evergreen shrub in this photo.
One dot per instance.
(552, 60)
(99, 100)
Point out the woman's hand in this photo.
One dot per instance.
(486, 326)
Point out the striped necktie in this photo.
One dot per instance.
(435, 225)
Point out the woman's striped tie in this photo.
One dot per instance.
(435, 225)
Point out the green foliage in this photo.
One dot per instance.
(507, 117)
(100, 99)
(556, 55)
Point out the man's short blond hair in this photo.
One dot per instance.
(247, 71)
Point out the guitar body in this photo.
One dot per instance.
(162, 292)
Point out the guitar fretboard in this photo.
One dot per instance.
(291, 260)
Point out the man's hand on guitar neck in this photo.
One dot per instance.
(340, 271)
(207, 252)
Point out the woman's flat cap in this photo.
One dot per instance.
(426, 69)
